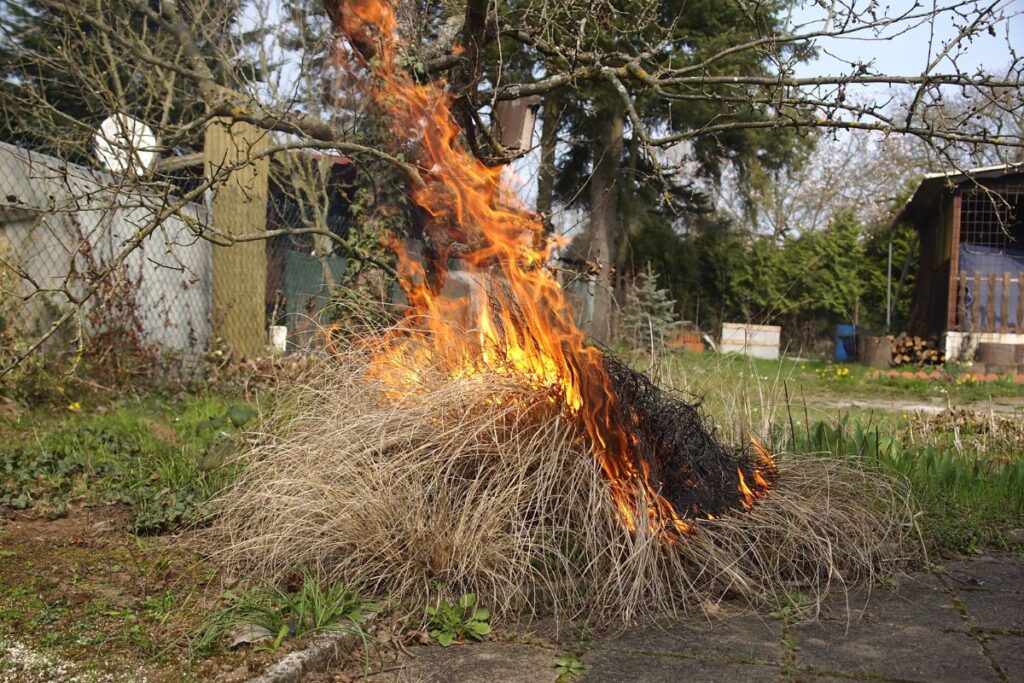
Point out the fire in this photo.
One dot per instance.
(517, 319)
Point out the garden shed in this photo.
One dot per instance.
(971, 248)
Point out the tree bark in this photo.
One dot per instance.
(628, 227)
(548, 141)
(604, 225)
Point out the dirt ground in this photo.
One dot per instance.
(82, 600)
(1000, 405)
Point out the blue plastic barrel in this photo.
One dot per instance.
(846, 343)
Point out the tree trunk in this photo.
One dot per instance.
(548, 140)
(604, 205)
(628, 227)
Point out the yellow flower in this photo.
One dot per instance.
(74, 406)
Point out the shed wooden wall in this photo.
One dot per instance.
(931, 299)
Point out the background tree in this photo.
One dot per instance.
(666, 90)
(649, 315)
(608, 165)
(64, 67)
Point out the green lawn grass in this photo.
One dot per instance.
(966, 474)
(163, 459)
(965, 463)
(703, 371)
(106, 589)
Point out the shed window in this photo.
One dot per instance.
(993, 217)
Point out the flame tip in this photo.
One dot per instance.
(512, 320)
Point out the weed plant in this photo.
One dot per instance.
(316, 606)
(968, 498)
(964, 465)
(162, 460)
(449, 622)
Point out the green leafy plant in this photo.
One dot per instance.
(569, 667)
(794, 607)
(649, 315)
(165, 473)
(449, 622)
(968, 498)
(317, 605)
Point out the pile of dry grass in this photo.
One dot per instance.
(476, 484)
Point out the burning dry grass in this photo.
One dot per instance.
(477, 484)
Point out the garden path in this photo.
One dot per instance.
(964, 622)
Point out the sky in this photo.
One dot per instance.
(905, 51)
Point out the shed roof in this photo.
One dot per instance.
(927, 194)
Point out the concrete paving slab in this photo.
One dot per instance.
(739, 638)
(610, 667)
(910, 606)
(913, 634)
(994, 609)
(1008, 651)
(475, 663)
(903, 652)
(920, 580)
(994, 573)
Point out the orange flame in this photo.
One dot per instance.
(521, 326)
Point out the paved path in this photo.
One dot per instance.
(965, 623)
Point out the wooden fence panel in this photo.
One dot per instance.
(1005, 305)
(976, 304)
(996, 293)
(990, 309)
(961, 298)
(1020, 303)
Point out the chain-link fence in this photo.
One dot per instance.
(157, 280)
(63, 226)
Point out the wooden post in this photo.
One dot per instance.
(954, 261)
(990, 312)
(1020, 303)
(1005, 308)
(962, 324)
(976, 304)
(239, 208)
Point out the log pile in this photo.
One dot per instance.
(913, 350)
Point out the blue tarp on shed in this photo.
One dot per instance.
(975, 258)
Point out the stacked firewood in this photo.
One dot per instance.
(914, 350)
